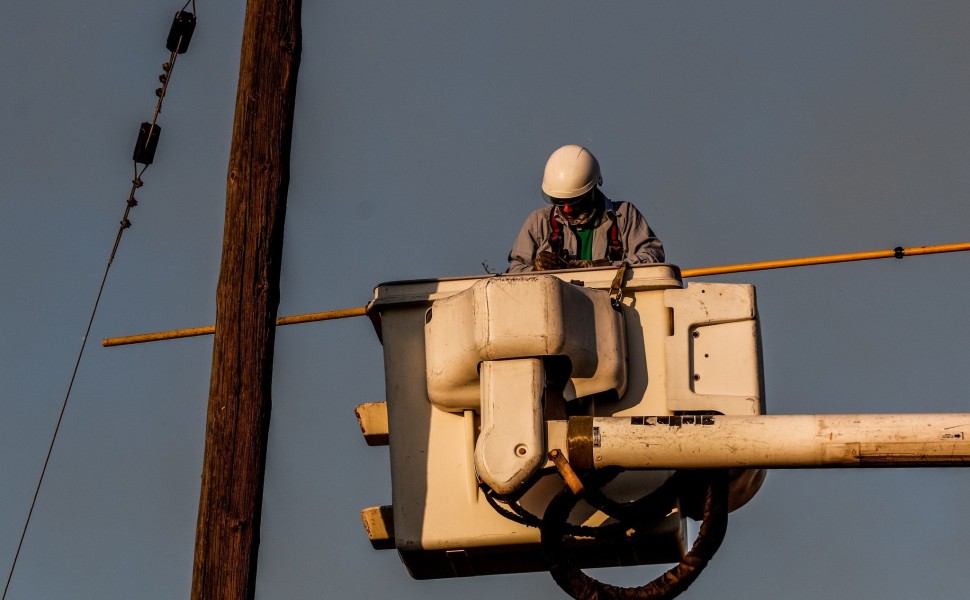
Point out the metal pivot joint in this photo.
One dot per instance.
(616, 290)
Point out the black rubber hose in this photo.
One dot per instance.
(668, 585)
(642, 513)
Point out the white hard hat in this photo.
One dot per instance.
(571, 171)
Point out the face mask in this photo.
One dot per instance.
(581, 211)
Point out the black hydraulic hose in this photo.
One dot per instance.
(668, 585)
(643, 512)
(513, 511)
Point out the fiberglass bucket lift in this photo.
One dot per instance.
(470, 364)
(500, 388)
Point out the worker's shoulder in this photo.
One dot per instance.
(540, 214)
(623, 208)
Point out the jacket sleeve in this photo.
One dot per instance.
(524, 249)
(641, 243)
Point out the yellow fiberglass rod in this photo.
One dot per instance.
(210, 329)
(701, 272)
(824, 260)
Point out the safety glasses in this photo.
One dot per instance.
(569, 201)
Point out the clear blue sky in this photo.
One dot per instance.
(744, 131)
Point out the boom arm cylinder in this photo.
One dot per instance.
(775, 441)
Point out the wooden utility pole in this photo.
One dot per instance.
(237, 427)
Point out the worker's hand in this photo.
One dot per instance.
(546, 261)
(582, 264)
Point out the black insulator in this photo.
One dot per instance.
(146, 144)
(898, 252)
(181, 32)
(163, 77)
(159, 92)
(132, 202)
(125, 223)
(137, 182)
(167, 67)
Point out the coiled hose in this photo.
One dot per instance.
(632, 515)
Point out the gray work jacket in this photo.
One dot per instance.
(640, 245)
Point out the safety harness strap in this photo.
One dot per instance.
(615, 246)
(555, 235)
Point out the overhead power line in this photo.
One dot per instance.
(177, 43)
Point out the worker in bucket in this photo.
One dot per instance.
(581, 227)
